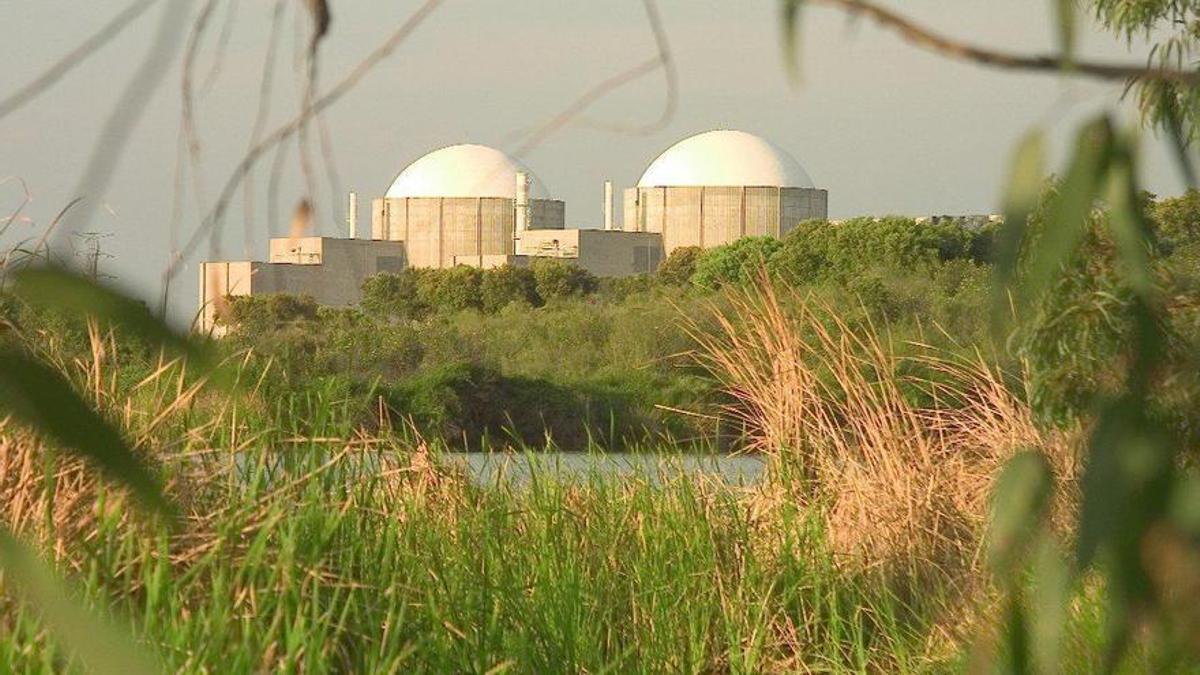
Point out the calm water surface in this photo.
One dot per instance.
(516, 468)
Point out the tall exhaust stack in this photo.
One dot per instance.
(521, 219)
(352, 214)
(608, 205)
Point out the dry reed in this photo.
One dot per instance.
(900, 484)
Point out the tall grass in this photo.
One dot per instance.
(308, 543)
(898, 452)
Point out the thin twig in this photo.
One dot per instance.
(76, 56)
(221, 49)
(187, 98)
(132, 104)
(260, 118)
(330, 161)
(582, 103)
(669, 74)
(284, 132)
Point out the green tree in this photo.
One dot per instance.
(1177, 219)
(1174, 26)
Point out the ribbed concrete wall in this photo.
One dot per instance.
(681, 220)
(722, 208)
(762, 211)
(437, 230)
(714, 215)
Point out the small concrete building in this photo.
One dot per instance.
(331, 271)
(719, 186)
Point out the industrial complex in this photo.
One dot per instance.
(475, 205)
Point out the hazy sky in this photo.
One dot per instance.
(886, 128)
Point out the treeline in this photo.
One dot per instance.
(813, 252)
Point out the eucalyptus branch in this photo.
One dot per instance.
(925, 38)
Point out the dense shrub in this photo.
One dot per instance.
(736, 263)
(453, 289)
(267, 312)
(928, 283)
(817, 250)
(476, 407)
(679, 267)
(506, 285)
(1177, 219)
(395, 296)
(619, 289)
(558, 279)
(1077, 343)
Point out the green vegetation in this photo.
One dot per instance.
(318, 505)
(519, 354)
(949, 486)
(318, 501)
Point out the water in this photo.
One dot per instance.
(516, 468)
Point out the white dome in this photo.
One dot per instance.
(725, 158)
(464, 171)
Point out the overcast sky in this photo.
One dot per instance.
(884, 127)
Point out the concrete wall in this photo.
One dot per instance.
(714, 215)
(798, 205)
(219, 280)
(613, 253)
(439, 230)
(761, 211)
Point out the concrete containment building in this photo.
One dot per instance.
(716, 187)
(462, 202)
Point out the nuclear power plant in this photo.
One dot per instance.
(475, 205)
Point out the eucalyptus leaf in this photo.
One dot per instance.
(1128, 226)
(59, 289)
(1050, 597)
(790, 23)
(1019, 504)
(1020, 199)
(1070, 209)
